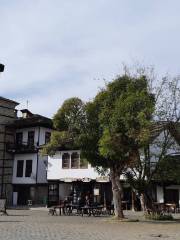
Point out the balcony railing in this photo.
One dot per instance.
(24, 147)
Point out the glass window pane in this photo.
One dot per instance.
(65, 160)
(19, 138)
(20, 164)
(31, 138)
(28, 168)
(47, 137)
(75, 160)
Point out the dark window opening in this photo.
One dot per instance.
(75, 160)
(65, 160)
(20, 164)
(28, 168)
(19, 138)
(31, 138)
(47, 137)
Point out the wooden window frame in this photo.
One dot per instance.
(78, 165)
(68, 159)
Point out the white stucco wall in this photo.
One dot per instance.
(55, 170)
(42, 161)
(38, 135)
(42, 169)
(160, 194)
(25, 180)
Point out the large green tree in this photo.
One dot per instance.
(108, 130)
(156, 162)
(117, 123)
(68, 123)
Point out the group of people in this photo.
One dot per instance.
(87, 200)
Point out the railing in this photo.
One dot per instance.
(21, 147)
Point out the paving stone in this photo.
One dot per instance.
(38, 225)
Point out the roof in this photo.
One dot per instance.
(8, 100)
(33, 120)
(156, 128)
(173, 127)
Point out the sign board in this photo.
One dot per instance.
(96, 191)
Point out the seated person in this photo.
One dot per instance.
(87, 201)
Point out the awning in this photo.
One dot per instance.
(75, 179)
(103, 179)
(67, 179)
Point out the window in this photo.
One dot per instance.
(47, 137)
(65, 160)
(31, 138)
(75, 160)
(19, 138)
(53, 193)
(20, 164)
(28, 168)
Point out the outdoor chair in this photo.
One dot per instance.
(52, 211)
(3, 207)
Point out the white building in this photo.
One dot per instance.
(67, 176)
(70, 176)
(29, 170)
(169, 192)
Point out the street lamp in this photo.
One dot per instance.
(1, 67)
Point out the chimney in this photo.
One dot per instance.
(26, 113)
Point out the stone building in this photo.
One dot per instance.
(8, 114)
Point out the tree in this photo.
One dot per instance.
(155, 162)
(68, 123)
(108, 130)
(116, 126)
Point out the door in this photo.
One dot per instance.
(23, 195)
(171, 196)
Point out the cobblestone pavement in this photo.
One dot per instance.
(38, 225)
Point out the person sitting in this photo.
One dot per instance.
(87, 201)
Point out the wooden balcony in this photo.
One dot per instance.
(23, 147)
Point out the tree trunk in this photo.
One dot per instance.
(117, 193)
(133, 196)
(142, 201)
(146, 201)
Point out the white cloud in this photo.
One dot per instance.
(55, 49)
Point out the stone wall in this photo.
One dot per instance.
(7, 116)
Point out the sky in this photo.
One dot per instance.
(57, 49)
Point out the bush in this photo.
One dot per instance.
(158, 216)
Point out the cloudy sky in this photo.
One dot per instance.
(56, 49)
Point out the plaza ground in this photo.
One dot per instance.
(38, 225)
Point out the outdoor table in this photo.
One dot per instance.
(159, 207)
(91, 210)
(70, 207)
(170, 207)
(61, 209)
